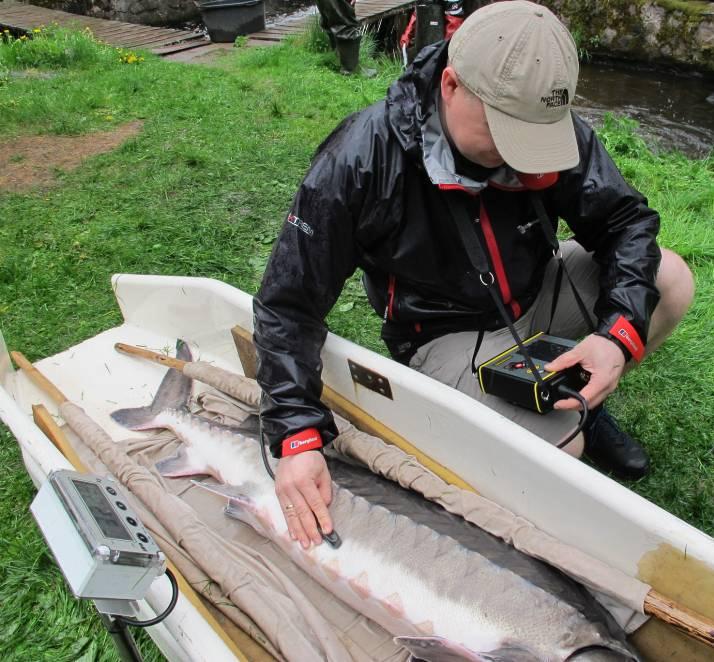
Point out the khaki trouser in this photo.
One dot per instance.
(448, 358)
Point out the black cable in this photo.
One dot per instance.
(263, 452)
(162, 615)
(571, 393)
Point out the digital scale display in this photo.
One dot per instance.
(101, 510)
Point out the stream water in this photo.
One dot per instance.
(671, 109)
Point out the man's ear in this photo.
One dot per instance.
(449, 84)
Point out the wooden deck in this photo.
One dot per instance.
(167, 41)
(368, 12)
(20, 16)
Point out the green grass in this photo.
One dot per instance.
(202, 191)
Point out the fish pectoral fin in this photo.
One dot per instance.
(436, 649)
(178, 465)
(439, 649)
(136, 418)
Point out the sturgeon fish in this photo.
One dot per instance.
(464, 596)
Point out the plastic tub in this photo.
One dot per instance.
(227, 19)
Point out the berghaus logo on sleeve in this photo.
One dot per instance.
(299, 223)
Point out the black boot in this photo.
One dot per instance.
(612, 449)
(348, 52)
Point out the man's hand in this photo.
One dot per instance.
(602, 359)
(304, 490)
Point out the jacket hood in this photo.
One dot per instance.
(410, 99)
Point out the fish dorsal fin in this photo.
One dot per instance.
(439, 649)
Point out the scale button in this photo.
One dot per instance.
(131, 521)
(142, 537)
(121, 505)
(112, 491)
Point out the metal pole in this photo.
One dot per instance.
(124, 642)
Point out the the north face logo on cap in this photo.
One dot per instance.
(558, 97)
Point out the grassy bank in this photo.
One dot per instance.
(202, 190)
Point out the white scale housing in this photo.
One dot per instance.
(99, 543)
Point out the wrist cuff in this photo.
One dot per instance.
(627, 338)
(307, 440)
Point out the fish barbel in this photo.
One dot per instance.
(440, 599)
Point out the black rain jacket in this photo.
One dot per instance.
(367, 201)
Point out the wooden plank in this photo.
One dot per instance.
(268, 35)
(27, 19)
(136, 30)
(264, 41)
(283, 30)
(167, 40)
(114, 33)
(113, 28)
(139, 41)
(259, 42)
(181, 46)
(243, 340)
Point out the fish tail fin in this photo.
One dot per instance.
(174, 392)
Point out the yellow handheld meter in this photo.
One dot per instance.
(509, 375)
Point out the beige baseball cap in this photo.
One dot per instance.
(522, 62)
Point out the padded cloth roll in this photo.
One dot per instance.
(243, 388)
(394, 464)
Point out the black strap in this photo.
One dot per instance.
(552, 239)
(556, 292)
(477, 257)
(470, 239)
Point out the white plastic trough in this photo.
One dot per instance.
(506, 463)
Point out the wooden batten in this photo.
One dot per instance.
(246, 350)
